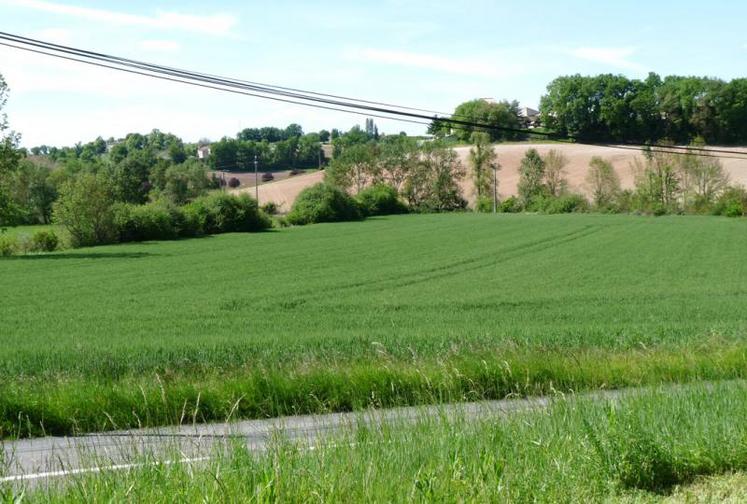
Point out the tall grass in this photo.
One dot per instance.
(399, 310)
(640, 448)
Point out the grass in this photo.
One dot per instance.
(666, 444)
(28, 231)
(401, 310)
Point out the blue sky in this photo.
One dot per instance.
(420, 53)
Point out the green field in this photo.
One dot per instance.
(408, 309)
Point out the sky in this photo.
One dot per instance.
(425, 54)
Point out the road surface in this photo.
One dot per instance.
(33, 460)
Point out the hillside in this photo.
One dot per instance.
(284, 192)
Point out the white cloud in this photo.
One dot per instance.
(61, 36)
(461, 66)
(617, 57)
(160, 45)
(212, 24)
(32, 74)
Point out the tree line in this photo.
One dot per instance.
(615, 108)
(274, 148)
(677, 109)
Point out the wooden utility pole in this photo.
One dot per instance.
(256, 180)
(495, 188)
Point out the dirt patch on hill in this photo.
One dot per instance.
(284, 192)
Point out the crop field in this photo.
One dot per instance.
(402, 310)
(672, 444)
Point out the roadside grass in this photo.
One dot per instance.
(392, 311)
(654, 446)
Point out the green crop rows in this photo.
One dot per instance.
(401, 310)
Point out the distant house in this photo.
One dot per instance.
(530, 117)
(203, 152)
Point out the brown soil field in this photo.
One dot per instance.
(284, 192)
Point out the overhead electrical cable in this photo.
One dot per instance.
(314, 99)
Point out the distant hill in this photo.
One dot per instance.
(284, 192)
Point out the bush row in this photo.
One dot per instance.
(327, 203)
(212, 214)
(731, 203)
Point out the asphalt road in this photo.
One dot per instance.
(31, 461)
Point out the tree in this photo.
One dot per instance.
(398, 155)
(84, 207)
(433, 186)
(33, 191)
(702, 180)
(177, 152)
(555, 181)
(183, 183)
(10, 156)
(355, 167)
(614, 108)
(531, 177)
(309, 151)
(130, 177)
(483, 160)
(223, 154)
(603, 182)
(324, 135)
(657, 182)
(501, 116)
(293, 130)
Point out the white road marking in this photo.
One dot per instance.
(96, 469)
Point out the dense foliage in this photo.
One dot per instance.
(273, 148)
(502, 114)
(425, 174)
(616, 108)
(323, 203)
(380, 199)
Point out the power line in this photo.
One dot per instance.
(215, 76)
(300, 97)
(183, 74)
(197, 84)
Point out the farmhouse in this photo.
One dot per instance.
(530, 117)
(203, 152)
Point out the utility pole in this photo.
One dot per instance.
(495, 188)
(256, 180)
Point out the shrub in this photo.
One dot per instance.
(144, 222)
(233, 182)
(734, 209)
(270, 208)
(732, 203)
(85, 209)
(225, 213)
(43, 241)
(569, 203)
(484, 204)
(510, 205)
(380, 199)
(323, 203)
(267, 176)
(8, 245)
